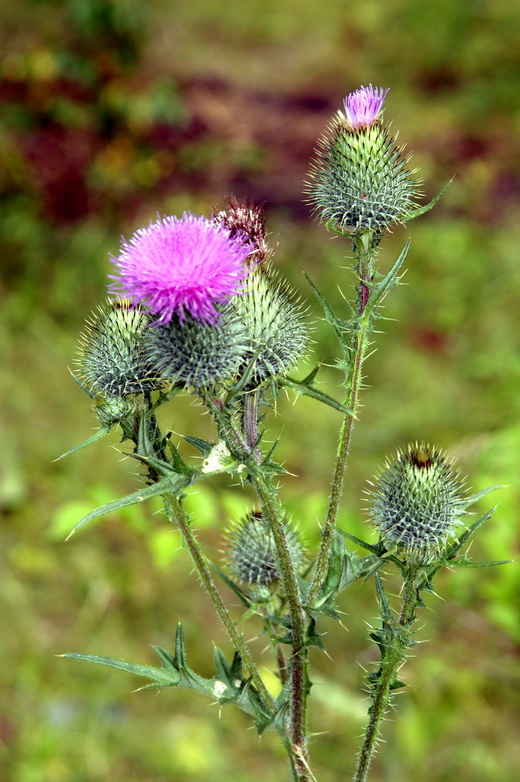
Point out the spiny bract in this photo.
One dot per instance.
(359, 179)
(275, 323)
(195, 354)
(417, 502)
(112, 358)
(251, 552)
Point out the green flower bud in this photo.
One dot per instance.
(112, 361)
(194, 353)
(359, 179)
(112, 409)
(251, 554)
(417, 502)
(275, 324)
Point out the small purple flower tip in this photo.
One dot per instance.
(181, 266)
(363, 106)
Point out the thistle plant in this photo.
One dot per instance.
(198, 308)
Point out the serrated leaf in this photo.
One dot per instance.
(313, 638)
(201, 445)
(160, 676)
(423, 209)
(231, 584)
(226, 686)
(469, 563)
(386, 612)
(363, 543)
(169, 484)
(101, 432)
(341, 327)
(379, 290)
(344, 567)
(479, 494)
(304, 388)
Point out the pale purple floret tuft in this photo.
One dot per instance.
(363, 106)
(181, 266)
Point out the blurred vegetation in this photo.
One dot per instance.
(112, 110)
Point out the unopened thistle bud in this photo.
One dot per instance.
(245, 220)
(193, 353)
(417, 502)
(275, 323)
(112, 361)
(114, 409)
(359, 180)
(251, 554)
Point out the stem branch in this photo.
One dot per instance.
(205, 576)
(298, 661)
(354, 372)
(398, 639)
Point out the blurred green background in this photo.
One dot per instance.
(114, 110)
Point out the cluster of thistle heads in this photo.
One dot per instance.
(196, 304)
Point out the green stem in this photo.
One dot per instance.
(174, 508)
(298, 661)
(211, 588)
(357, 355)
(398, 640)
(297, 733)
(250, 419)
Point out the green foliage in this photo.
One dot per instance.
(449, 370)
(227, 686)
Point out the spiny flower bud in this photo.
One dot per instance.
(275, 324)
(113, 409)
(196, 354)
(252, 554)
(359, 179)
(417, 502)
(112, 360)
(245, 220)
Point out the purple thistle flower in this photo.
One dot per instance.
(363, 106)
(181, 266)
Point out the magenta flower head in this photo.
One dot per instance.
(181, 266)
(363, 106)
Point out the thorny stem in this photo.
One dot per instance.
(398, 640)
(354, 376)
(298, 662)
(205, 576)
(251, 424)
(235, 637)
(282, 664)
(175, 510)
